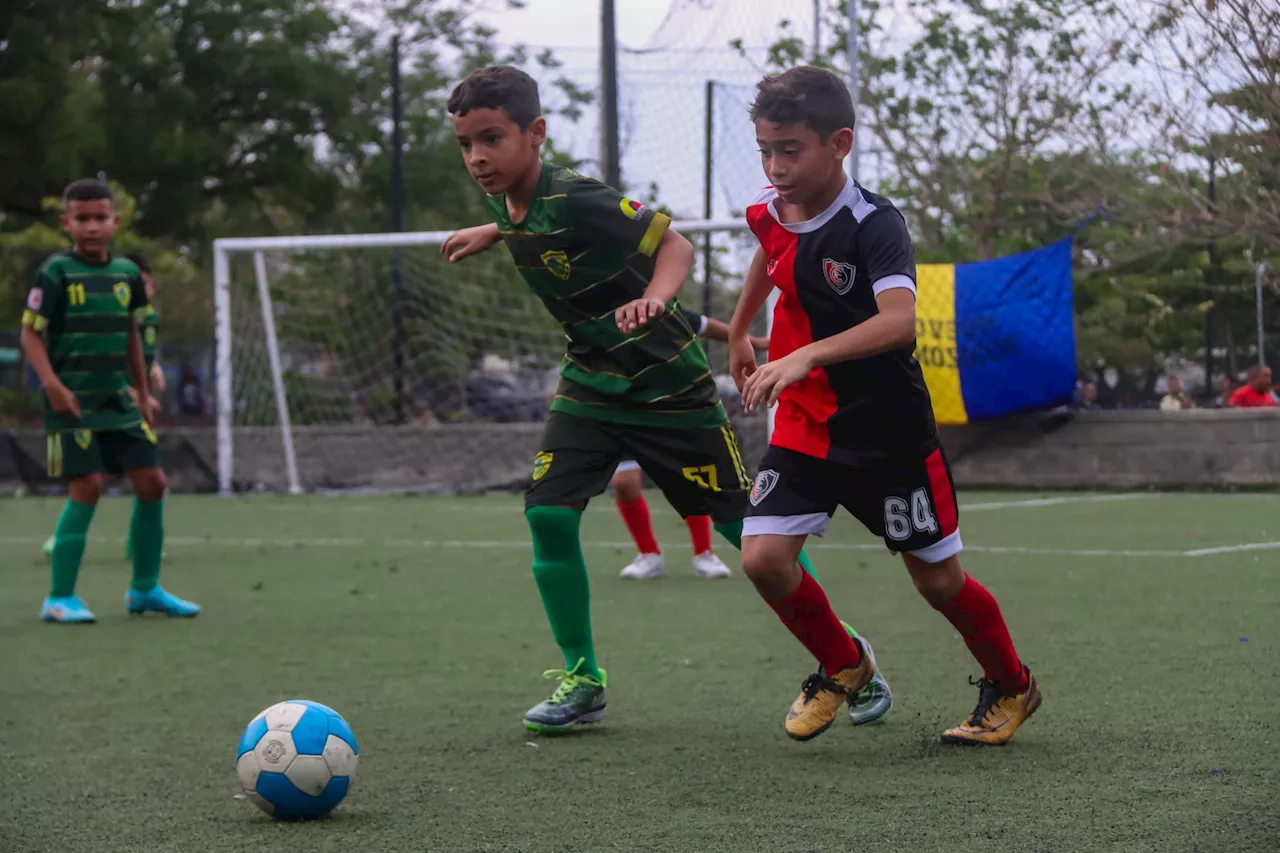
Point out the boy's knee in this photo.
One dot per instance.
(627, 485)
(554, 530)
(770, 564)
(149, 484)
(937, 583)
(85, 490)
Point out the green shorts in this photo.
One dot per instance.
(82, 452)
(700, 471)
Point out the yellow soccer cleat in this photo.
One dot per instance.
(997, 715)
(822, 697)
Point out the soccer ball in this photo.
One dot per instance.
(297, 760)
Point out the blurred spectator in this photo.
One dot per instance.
(190, 399)
(1088, 398)
(1225, 387)
(1176, 400)
(1256, 393)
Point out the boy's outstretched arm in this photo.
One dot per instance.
(672, 263)
(718, 330)
(470, 241)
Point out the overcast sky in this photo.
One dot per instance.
(669, 49)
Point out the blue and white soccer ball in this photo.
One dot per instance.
(297, 760)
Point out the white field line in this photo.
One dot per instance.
(524, 545)
(1059, 501)
(500, 505)
(1232, 549)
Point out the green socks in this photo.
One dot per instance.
(561, 575)
(732, 532)
(68, 547)
(146, 541)
(803, 559)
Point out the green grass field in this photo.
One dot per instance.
(1154, 637)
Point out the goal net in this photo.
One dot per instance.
(368, 362)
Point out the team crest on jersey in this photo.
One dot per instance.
(541, 463)
(838, 274)
(122, 292)
(770, 266)
(35, 299)
(557, 263)
(765, 481)
(631, 208)
(83, 438)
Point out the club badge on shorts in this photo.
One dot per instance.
(541, 463)
(765, 481)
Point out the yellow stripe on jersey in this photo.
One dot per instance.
(34, 320)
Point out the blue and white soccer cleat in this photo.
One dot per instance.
(69, 610)
(156, 600)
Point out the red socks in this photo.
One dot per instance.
(976, 615)
(636, 515)
(808, 615)
(699, 532)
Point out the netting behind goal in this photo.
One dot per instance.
(367, 362)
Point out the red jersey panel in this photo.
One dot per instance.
(829, 270)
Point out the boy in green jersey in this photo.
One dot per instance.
(635, 383)
(149, 329)
(80, 335)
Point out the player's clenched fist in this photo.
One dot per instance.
(637, 312)
(470, 241)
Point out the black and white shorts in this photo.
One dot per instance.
(911, 505)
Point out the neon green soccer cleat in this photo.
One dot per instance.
(873, 702)
(578, 700)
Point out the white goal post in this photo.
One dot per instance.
(367, 362)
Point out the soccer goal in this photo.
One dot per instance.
(367, 362)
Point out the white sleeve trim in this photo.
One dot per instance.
(891, 282)
(702, 325)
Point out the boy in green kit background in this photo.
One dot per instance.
(80, 335)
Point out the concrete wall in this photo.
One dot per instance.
(1207, 448)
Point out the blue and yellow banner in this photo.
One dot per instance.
(997, 337)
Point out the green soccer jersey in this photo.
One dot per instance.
(85, 310)
(586, 250)
(149, 330)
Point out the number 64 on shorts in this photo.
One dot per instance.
(911, 505)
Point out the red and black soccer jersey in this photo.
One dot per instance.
(829, 270)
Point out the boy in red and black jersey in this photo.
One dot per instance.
(854, 425)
